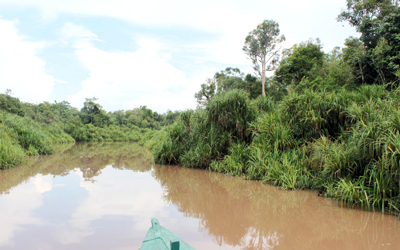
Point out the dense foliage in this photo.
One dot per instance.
(343, 142)
(21, 136)
(378, 21)
(328, 121)
(29, 129)
(299, 61)
(331, 123)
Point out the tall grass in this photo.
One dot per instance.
(11, 153)
(29, 134)
(203, 136)
(91, 133)
(21, 136)
(342, 141)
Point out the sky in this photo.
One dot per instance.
(153, 53)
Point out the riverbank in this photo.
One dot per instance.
(113, 189)
(342, 142)
(33, 129)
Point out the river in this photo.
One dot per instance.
(102, 196)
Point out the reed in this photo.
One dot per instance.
(11, 153)
(200, 137)
(339, 140)
(29, 135)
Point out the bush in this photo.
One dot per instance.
(199, 137)
(11, 153)
(340, 141)
(29, 134)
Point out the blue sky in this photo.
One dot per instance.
(129, 53)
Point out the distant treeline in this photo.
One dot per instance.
(329, 121)
(30, 129)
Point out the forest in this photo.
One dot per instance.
(328, 122)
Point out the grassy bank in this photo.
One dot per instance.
(33, 129)
(21, 136)
(343, 142)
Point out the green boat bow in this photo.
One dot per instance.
(160, 238)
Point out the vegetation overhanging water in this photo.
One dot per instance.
(329, 122)
(102, 196)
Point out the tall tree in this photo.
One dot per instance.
(389, 31)
(380, 59)
(263, 46)
(360, 10)
(354, 54)
(378, 21)
(298, 61)
(232, 78)
(207, 91)
(90, 110)
(226, 80)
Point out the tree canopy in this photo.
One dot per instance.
(226, 80)
(263, 46)
(378, 21)
(298, 62)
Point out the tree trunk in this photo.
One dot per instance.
(362, 73)
(263, 75)
(380, 72)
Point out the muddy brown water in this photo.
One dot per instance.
(102, 196)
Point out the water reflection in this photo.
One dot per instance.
(102, 196)
(55, 201)
(90, 158)
(256, 216)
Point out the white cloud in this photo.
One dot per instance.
(151, 75)
(299, 20)
(21, 70)
(142, 77)
(43, 183)
(204, 15)
(16, 209)
(70, 30)
(136, 196)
